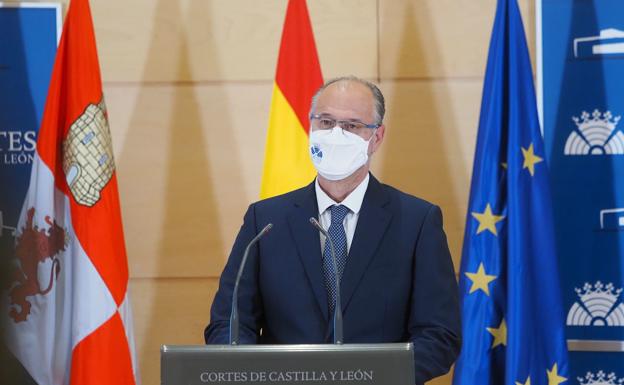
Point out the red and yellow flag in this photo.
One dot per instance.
(287, 164)
(69, 316)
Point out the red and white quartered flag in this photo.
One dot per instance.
(67, 309)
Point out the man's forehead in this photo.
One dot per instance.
(347, 96)
(350, 87)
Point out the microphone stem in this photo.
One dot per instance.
(234, 319)
(338, 337)
(338, 305)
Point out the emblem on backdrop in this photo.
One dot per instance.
(600, 378)
(595, 134)
(608, 44)
(612, 219)
(597, 305)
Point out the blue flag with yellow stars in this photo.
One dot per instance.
(513, 324)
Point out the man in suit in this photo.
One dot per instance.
(397, 278)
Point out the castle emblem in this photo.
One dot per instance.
(34, 246)
(88, 155)
(598, 306)
(595, 135)
(600, 378)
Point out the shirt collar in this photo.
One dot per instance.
(353, 201)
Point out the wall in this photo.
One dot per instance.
(188, 86)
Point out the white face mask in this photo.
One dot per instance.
(335, 154)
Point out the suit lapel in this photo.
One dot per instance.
(371, 227)
(308, 243)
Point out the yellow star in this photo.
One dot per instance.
(500, 334)
(530, 159)
(528, 381)
(553, 377)
(487, 220)
(480, 280)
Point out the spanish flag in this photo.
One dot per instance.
(287, 164)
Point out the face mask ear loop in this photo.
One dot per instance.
(372, 136)
(369, 141)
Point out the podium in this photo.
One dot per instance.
(374, 364)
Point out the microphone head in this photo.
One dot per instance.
(314, 222)
(267, 228)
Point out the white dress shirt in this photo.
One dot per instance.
(353, 202)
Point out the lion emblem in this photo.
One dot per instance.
(34, 246)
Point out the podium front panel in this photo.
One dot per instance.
(373, 364)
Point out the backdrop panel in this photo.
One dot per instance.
(581, 76)
(29, 34)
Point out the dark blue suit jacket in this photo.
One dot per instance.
(398, 284)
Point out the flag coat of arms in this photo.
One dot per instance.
(287, 164)
(512, 316)
(66, 308)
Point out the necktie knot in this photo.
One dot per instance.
(338, 213)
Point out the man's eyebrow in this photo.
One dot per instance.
(328, 115)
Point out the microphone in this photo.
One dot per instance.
(234, 320)
(338, 307)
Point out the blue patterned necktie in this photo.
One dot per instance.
(337, 233)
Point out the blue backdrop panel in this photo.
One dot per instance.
(28, 40)
(582, 70)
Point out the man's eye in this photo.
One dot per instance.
(349, 126)
(326, 123)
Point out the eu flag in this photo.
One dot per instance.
(513, 324)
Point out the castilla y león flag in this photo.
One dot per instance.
(287, 164)
(67, 310)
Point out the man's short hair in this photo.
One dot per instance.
(378, 98)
